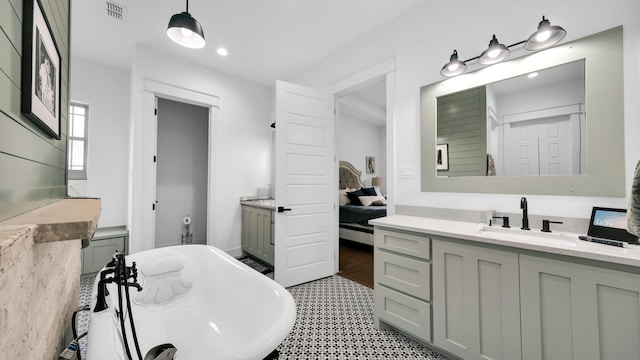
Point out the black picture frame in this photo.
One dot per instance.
(41, 70)
(442, 157)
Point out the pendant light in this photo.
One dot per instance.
(185, 30)
(495, 53)
(454, 66)
(546, 35)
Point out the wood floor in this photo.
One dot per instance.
(356, 262)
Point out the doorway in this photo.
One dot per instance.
(361, 138)
(181, 173)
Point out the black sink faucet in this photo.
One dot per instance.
(525, 215)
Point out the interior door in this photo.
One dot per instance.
(524, 149)
(305, 189)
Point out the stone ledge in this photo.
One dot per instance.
(65, 219)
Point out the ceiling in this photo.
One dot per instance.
(266, 39)
(367, 104)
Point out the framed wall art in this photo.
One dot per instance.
(40, 70)
(371, 164)
(442, 157)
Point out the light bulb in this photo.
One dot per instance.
(186, 32)
(222, 52)
(493, 53)
(543, 36)
(453, 67)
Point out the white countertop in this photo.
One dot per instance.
(261, 203)
(561, 243)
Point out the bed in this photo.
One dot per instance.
(353, 223)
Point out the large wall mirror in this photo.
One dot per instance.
(549, 123)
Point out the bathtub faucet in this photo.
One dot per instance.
(120, 274)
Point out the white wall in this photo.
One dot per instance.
(421, 47)
(357, 139)
(241, 141)
(106, 90)
(566, 93)
(182, 171)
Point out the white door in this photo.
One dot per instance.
(305, 185)
(555, 146)
(524, 149)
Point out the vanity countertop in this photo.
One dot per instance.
(261, 203)
(570, 246)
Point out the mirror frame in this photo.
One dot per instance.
(603, 57)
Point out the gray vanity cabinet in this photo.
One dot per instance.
(105, 243)
(575, 311)
(476, 308)
(402, 278)
(257, 233)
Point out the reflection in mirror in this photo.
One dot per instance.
(528, 125)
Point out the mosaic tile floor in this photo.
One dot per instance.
(334, 321)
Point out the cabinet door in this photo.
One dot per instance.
(263, 235)
(573, 311)
(100, 252)
(476, 308)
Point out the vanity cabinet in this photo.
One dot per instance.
(476, 307)
(575, 311)
(402, 277)
(257, 233)
(105, 243)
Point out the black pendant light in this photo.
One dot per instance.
(495, 53)
(185, 30)
(546, 35)
(454, 66)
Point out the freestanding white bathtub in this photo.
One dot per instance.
(198, 298)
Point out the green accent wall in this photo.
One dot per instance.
(462, 124)
(32, 164)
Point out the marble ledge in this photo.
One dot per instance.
(65, 219)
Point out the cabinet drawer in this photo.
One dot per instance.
(409, 244)
(409, 275)
(404, 312)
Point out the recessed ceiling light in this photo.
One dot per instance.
(532, 75)
(222, 51)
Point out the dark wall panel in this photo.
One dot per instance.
(32, 164)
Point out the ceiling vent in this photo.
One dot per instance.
(116, 11)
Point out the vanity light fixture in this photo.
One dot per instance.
(544, 37)
(495, 53)
(454, 66)
(185, 30)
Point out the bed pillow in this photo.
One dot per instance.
(354, 196)
(367, 200)
(380, 199)
(344, 199)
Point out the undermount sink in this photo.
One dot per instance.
(530, 236)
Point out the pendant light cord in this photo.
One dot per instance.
(187, 6)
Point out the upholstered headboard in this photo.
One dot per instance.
(349, 176)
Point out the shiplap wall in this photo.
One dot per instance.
(32, 164)
(462, 123)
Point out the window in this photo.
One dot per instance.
(77, 149)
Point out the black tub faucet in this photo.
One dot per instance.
(525, 215)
